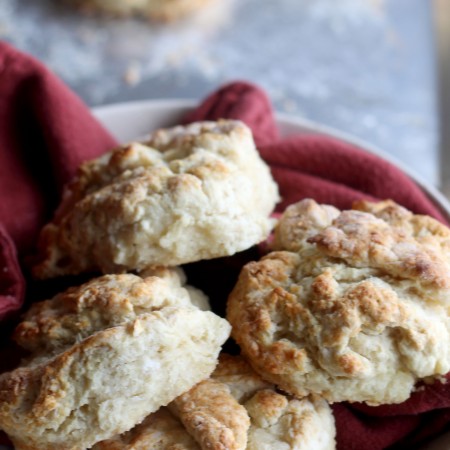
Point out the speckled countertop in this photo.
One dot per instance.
(365, 67)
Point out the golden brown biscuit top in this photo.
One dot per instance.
(213, 416)
(381, 235)
(363, 240)
(110, 381)
(355, 311)
(101, 303)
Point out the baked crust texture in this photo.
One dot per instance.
(352, 306)
(234, 410)
(117, 343)
(187, 193)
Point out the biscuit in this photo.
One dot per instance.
(234, 410)
(101, 303)
(186, 194)
(356, 311)
(118, 343)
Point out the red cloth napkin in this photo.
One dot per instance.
(46, 131)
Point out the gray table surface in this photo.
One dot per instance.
(365, 67)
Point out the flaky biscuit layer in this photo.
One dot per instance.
(233, 410)
(101, 303)
(117, 343)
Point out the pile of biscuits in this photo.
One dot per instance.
(348, 306)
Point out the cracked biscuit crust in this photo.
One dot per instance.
(206, 417)
(186, 194)
(233, 410)
(118, 343)
(355, 311)
(213, 416)
(101, 303)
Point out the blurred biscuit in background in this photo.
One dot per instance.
(159, 10)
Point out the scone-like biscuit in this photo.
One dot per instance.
(233, 410)
(165, 10)
(102, 303)
(357, 310)
(146, 345)
(187, 194)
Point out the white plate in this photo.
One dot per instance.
(126, 121)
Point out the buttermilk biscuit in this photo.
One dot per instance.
(118, 343)
(371, 234)
(177, 278)
(102, 303)
(165, 10)
(233, 410)
(186, 194)
(355, 311)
